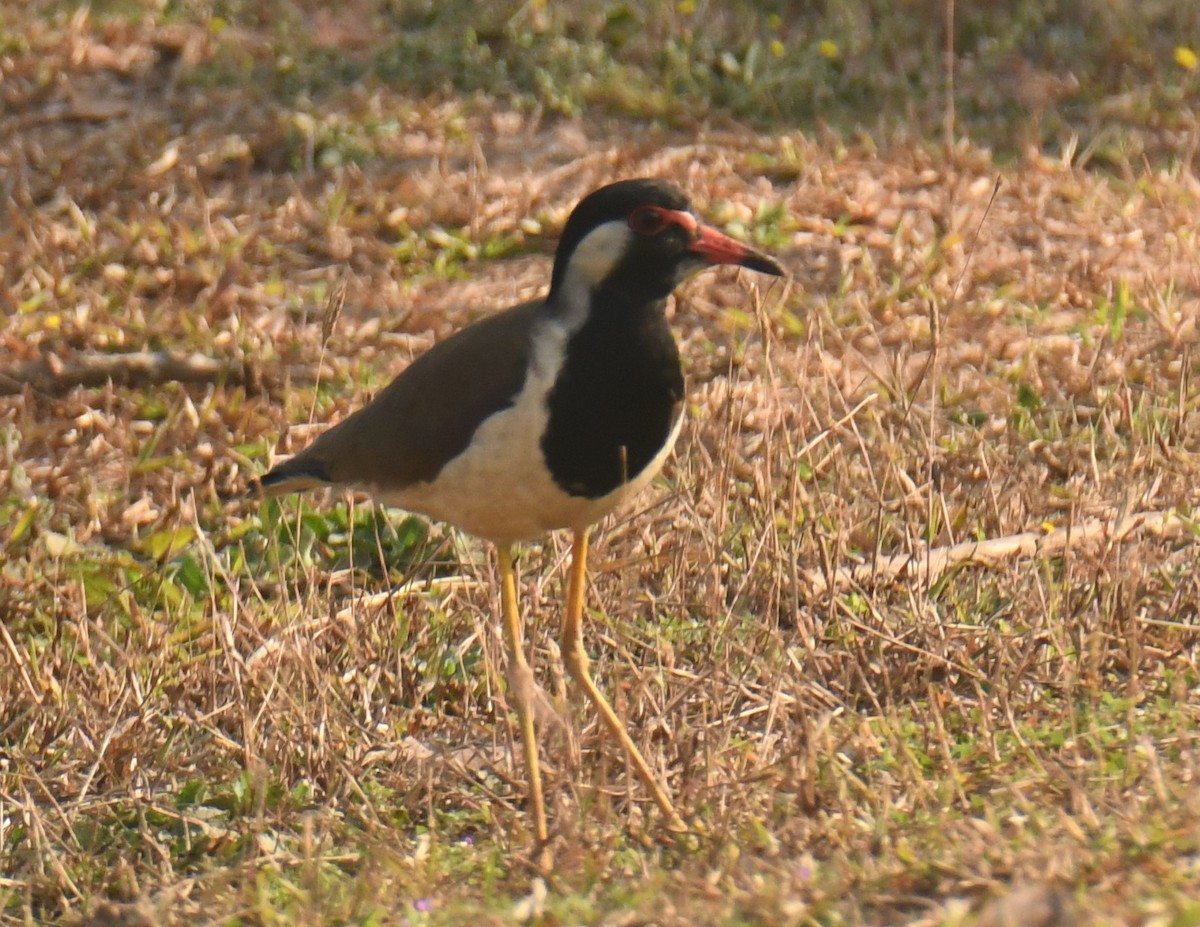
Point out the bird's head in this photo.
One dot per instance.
(641, 238)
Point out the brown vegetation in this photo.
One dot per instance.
(212, 712)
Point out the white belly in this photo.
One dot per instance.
(499, 488)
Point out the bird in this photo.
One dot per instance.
(541, 417)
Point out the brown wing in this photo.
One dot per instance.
(426, 416)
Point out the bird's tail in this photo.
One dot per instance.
(295, 475)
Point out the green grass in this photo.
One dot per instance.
(1117, 78)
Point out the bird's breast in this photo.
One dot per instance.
(516, 480)
(615, 405)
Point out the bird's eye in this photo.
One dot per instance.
(647, 220)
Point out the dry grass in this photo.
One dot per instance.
(215, 713)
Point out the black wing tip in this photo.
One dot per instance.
(291, 476)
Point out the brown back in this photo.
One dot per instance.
(428, 414)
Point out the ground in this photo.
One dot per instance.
(224, 225)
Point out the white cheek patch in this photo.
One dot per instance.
(598, 253)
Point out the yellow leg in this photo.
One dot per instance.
(520, 686)
(576, 660)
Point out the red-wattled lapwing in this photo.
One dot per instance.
(547, 415)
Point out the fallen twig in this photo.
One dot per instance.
(55, 375)
(927, 566)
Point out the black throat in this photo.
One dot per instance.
(616, 398)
